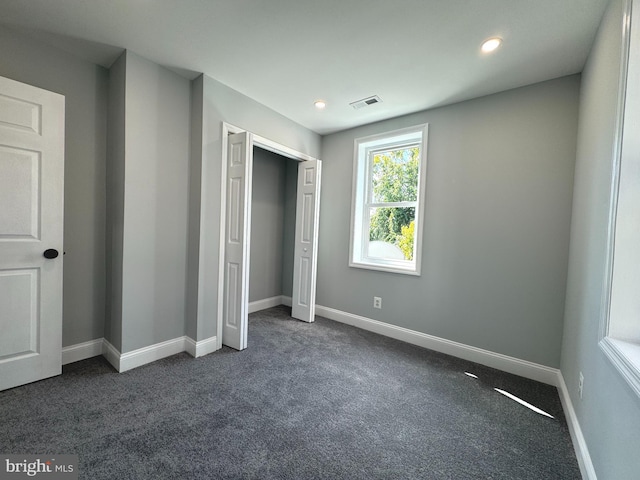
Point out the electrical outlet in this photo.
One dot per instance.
(377, 302)
(580, 384)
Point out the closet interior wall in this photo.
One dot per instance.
(273, 217)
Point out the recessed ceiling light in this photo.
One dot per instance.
(320, 104)
(491, 44)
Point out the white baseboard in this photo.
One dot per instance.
(144, 355)
(505, 363)
(136, 358)
(203, 347)
(111, 353)
(265, 303)
(81, 351)
(269, 302)
(579, 442)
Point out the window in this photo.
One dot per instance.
(620, 331)
(388, 201)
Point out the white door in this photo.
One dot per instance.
(31, 214)
(303, 301)
(237, 233)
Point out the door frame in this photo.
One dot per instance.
(266, 144)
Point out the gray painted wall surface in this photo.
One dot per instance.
(157, 137)
(267, 225)
(496, 235)
(273, 225)
(195, 190)
(115, 200)
(84, 86)
(222, 104)
(609, 413)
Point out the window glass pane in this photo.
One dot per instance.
(394, 175)
(391, 232)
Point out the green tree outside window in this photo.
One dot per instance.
(395, 180)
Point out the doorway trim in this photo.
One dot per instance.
(258, 141)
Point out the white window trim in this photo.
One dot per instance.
(360, 194)
(623, 353)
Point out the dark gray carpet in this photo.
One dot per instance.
(304, 401)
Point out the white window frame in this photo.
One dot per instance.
(620, 324)
(364, 148)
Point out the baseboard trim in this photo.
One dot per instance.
(144, 355)
(201, 348)
(265, 303)
(523, 368)
(579, 442)
(269, 303)
(111, 353)
(82, 351)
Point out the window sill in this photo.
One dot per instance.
(386, 268)
(625, 356)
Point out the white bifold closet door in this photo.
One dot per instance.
(237, 235)
(303, 300)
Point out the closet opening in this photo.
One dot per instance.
(270, 178)
(273, 222)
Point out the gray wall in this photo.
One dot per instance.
(156, 184)
(195, 191)
(273, 222)
(115, 200)
(496, 233)
(85, 87)
(609, 413)
(267, 225)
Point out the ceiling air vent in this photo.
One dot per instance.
(365, 102)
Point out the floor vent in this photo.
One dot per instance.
(365, 102)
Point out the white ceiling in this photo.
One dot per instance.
(414, 54)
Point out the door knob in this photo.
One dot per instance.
(50, 253)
